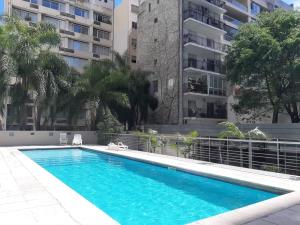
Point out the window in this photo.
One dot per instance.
(51, 4)
(101, 50)
(217, 86)
(155, 39)
(101, 34)
(155, 62)
(255, 8)
(134, 25)
(22, 14)
(133, 43)
(133, 59)
(78, 28)
(149, 7)
(75, 62)
(102, 18)
(78, 45)
(79, 12)
(55, 22)
(157, 1)
(155, 20)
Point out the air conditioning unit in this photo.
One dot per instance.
(96, 39)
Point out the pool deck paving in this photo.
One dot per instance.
(31, 195)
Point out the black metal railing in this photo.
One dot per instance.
(219, 112)
(205, 42)
(204, 16)
(218, 3)
(204, 64)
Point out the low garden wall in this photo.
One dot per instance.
(19, 138)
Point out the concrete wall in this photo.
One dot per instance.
(281, 131)
(158, 52)
(121, 27)
(17, 138)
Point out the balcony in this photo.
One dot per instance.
(232, 20)
(238, 4)
(206, 85)
(200, 86)
(215, 66)
(218, 3)
(203, 17)
(211, 111)
(205, 42)
(228, 37)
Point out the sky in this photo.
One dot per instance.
(117, 2)
(1, 6)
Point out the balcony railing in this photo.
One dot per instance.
(219, 112)
(202, 88)
(209, 43)
(228, 37)
(203, 17)
(267, 155)
(196, 87)
(204, 64)
(218, 3)
(238, 5)
(232, 20)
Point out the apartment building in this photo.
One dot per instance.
(86, 30)
(184, 44)
(125, 30)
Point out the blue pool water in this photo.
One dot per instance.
(134, 192)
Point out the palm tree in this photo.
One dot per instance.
(105, 89)
(24, 47)
(139, 95)
(53, 72)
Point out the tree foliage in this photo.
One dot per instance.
(34, 75)
(264, 62)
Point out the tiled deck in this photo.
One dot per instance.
(30, 195)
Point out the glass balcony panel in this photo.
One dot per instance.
(204, 64)
(205, 42)
(210, 110)
(238, 5)
(204, 17)
(232, 20)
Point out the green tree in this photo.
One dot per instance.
(54, 73)
(264, 62)
(104, 88)
(139, 94)
(140, 98)
(24, 50)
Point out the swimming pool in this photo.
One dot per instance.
(134, 192)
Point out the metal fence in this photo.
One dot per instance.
(275, 156)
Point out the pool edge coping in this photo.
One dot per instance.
(234, 217)
(79, 208)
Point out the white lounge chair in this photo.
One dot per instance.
(63, 139)
(77, 140)
(122, 146)
(113, 147)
